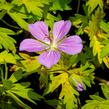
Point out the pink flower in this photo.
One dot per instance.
(52, 46)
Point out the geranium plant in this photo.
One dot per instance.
(54, 54)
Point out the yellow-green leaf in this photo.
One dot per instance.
(97, 47)
(93, 4)
(31, 64)
(57, 81)
(19, 19)
(68, 96)
(7, 57)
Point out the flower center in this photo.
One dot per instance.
(53, 46)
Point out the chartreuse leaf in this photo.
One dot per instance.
(7, 31)
(50, 19)
(25, 56)
(78, 19)
(32, 6)
(67, 61)
(6, 41)
(22, 104)
(96, 97)
(69, 81)
(95, 104)
(2, 14)
(6, 6)
(26, 93)
(97, 101)
(97, 47)
(33, 95)
(60, 5)
(67, 95)
(52, 102)
(7, 84)
(7, 57)
(95, 34)
(31, 64)
(21, 91)
(92, 4)
(104, 26)
(19, 19)
(16, 90)
(16, 76)
(80, 22)
(94, 26)
(105, 51)
(2, 0)
(57, 81)
(106, 61)
(105, 90)
(82, 75)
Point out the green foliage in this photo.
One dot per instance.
(105, 51)
(22, 10)
(96, 29)
(19, 18)
(60, 5)
(35, 6)
(104, 104)
(94, 34)
(63, 79)
(16, 76)
(97, 101)
(14, 90)
(49, 19)
(57, 81)
(80, 22)
(7, 31)
(6, 41)
(104, 26)
(92, 4)
(82, 75)
(68, 81)
(7, 57)
(67, 96)
(2, 14)
(22, 91)
(105, 89)
(30, 64)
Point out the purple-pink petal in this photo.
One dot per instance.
(60, 29)
(31, 45)
(71, 45)
(49, 58)
(80, 87)
(40, 31)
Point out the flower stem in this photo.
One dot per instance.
(101, 80)
(6, 71)
(78, 6)
(79, 103)
(2, 76)
(9, 24)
